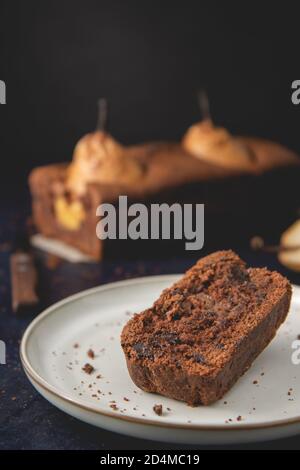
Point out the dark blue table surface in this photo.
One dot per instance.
(28, 421)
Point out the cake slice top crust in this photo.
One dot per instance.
(198, 323)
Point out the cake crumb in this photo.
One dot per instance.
(88, 368)
(91, 354)
(158, 409)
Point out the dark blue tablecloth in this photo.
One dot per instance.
(28, 421)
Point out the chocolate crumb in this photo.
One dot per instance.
(91, 354)
(88, 368)
(239, 418)
(255, 382)
(158, 409)
(126, 399)
(76, 345)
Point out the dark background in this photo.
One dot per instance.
(148, 59)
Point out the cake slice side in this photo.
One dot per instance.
(205, 331)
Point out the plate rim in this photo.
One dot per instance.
(52, 390)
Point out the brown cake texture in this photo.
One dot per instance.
(205, 331)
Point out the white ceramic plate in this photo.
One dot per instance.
(267, 397)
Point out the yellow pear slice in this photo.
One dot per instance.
(69, 214)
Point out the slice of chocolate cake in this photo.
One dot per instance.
(205, 331)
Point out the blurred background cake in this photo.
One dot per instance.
(248, 186)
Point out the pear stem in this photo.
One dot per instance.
(102, 115)
(203, 103)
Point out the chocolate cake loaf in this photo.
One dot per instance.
(236, 178)
(205, 331)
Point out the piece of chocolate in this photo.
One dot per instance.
(23, 281)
